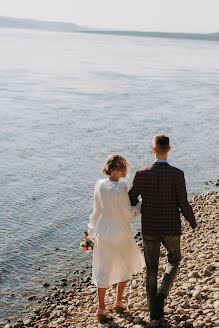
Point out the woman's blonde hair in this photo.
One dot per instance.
(114, 161)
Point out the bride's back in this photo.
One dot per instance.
(109, 195)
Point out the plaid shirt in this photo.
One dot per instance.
(163, 191)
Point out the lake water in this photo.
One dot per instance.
(68, 100)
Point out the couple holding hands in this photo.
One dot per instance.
(116, 255)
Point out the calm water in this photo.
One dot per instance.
(68, 101)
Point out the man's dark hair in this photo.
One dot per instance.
(161, 143)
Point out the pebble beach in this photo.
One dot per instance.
(193, 300)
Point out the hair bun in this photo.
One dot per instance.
(112, 163)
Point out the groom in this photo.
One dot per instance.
(163, 191)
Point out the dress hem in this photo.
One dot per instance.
(118, 280)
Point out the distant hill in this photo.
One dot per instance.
(9, 22)
(192, 36)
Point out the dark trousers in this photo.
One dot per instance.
(152, 253)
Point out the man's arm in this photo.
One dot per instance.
(182, 201)
(134, 191)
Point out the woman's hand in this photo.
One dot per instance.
(86, 238)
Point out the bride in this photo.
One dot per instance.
(116, 254)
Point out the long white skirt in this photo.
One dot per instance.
(116, 256)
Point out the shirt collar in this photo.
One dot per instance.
(160, 161)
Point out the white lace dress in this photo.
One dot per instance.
(116, 254)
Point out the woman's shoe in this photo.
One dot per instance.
(119, 307)
(102, 315)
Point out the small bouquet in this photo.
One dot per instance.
(87, 244)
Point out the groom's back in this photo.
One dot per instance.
(159, 186)
(157, 182)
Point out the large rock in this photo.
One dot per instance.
(194, 274)
(28, 322)
(130, 305)
(216, 295)
(194, 306)
(31, 297)
(181, 292)
(210, 267)
(92, 309)
(168, 310)
(196, 294)
(187, 286)
(198, 324)
(60, 320)
(138, 320)
(134, 284)
(180, 310)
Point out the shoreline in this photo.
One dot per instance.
(193, 300)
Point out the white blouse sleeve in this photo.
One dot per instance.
(130, 212)
(94, 218)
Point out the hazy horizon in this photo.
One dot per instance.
(188, 16)
(81, 27)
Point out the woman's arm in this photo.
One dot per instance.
(129, 211)
(94, 218)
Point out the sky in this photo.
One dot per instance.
(197, 16)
